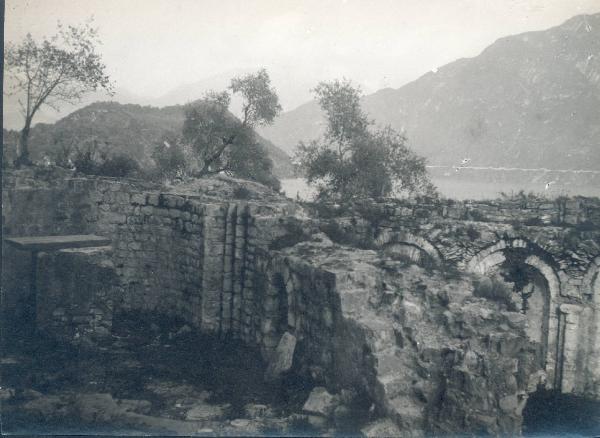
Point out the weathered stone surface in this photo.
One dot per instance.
(204, 412)
(382, 428)
(253, 410)
(282, 358)
(320, 402)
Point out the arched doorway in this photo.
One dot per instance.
(408, 246)
(535, 290)
(591, 319)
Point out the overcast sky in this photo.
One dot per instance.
(152, 46)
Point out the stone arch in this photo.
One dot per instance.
(535, 257)
(589, 281)
(590, 290)
(413, 245)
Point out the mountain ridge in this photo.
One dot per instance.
(505, 106)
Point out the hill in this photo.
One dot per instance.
(529, 100)
(128, 128)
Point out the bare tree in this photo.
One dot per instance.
(58, 69)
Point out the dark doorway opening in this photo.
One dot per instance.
(550, 413)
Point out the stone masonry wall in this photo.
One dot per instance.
(565, 256)
(190, 256)
(294, 297)
(77, 289)
(429, 354)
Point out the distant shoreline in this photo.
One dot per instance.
(522, 169)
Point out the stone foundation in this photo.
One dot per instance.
(430, 355)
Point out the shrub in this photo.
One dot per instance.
(241, 193)
(119, 166)
(472, 233)
(495, 289)
(91, 161)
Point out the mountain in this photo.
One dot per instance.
(129, 128)
(13, 119)
(529, 100)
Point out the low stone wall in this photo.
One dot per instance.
(575, 211)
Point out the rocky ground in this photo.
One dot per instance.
(147, 379)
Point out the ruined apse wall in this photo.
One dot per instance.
(190, 256)
(560, 241)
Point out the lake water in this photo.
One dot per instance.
(486, 186)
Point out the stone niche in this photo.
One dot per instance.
(76, 293)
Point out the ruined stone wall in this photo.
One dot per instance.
(294, 297)
(215, 263)
(562, 255)
(528, 211)
(188, 256)
(430, 355)
(76, 292)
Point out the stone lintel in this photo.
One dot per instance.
(48, 243)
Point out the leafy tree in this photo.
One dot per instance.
(57, 69)
(170, 157)
(352, 159)
(221, 142)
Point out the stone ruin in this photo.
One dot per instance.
(444, 317)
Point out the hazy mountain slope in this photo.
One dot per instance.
(13, 119)
(530, 100)
(133, 129)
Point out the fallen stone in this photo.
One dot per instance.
(320, 402)
(240, 422)
(282, 358)
(184, 330)
(205, 412)
(317, 421)
(253, 410)
(381, 428)
(138, 406)
(341, 416)
(6, 393)
(48, 406)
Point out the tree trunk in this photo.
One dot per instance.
(23, 158)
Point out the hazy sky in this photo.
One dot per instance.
(152, 46)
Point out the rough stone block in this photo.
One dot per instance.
(320, 402)
(152, 199)
(381, 428)
(283, 357)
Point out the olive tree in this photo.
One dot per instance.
(55, 70)
(353, 159)
(223, 143)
